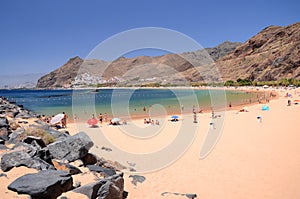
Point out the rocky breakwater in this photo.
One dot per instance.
(62, 163)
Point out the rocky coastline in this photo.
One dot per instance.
(57, 158)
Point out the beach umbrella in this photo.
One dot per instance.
(296, 100)
(265, 86)
(265, 108)
(174, 117)
(115, 120)
(92, 121)
(57, 118)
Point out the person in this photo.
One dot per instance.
(124, 122)
(289, 102)
(64, 121)
(100, 118)
(259, 119)
(145, 121)
(157, 122)
(195, 117)
(230, 105)
(105, 117)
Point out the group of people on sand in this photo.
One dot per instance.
(61, 124)
(150, 121)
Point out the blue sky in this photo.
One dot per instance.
(40, 36)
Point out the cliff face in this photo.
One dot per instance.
(272, 54)
(61, 77)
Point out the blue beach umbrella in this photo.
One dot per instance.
(265, 108)
(174, 117)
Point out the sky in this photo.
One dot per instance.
(39, 36)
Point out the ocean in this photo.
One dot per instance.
(127, 103)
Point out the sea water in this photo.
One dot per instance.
(125, 103)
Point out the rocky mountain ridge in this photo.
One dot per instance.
(272, 54)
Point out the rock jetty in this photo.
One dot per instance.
(56, 156)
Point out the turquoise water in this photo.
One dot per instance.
(125, 102)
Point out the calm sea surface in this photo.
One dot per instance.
(125, 102)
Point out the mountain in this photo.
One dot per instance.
(272, 54)
(131, 71)
(19, 80)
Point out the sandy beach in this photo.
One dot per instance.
(251, 159)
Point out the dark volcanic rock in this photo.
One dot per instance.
(90, 190)
(45, 184)
(21, 158)
(4, 122)
(15, 137)
(4, 132)
(106, 171)
(89, 159)
(71, 148)
(38, 140)
(108, 188)
(113, 188)
(136, 179)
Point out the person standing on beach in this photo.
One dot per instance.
(64, 121)
(105, 117)
(100, 118)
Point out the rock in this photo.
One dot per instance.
(136, 179)
(3, 175)
(45, 155)
(4, 132)
(113, 188)
(2, 141)
(58, 135)
(15, 137)
(47, 184)
(108, 188)
(65, 167)
(12, 113)
(90, 190)
(38, 140)
(114, 165)
(14, 126)
(71, 148)
(23, 115)
(106, 171)
(3, 122)
(89, 159)
(31, 150)
(21, 158)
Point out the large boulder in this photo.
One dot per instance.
(4, 133)
(47, 184)
(16, 136)
(4, 122)
(71, 148)
(107, 188)
(21, 158)
(113, 188)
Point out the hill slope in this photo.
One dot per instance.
(272, 54)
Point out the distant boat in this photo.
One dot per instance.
(95, 90)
